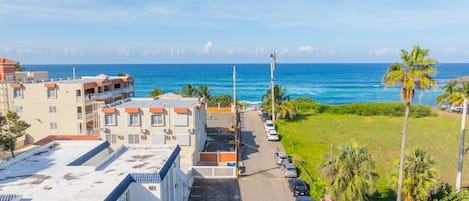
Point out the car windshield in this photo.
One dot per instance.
(300, 187)
(270, 125)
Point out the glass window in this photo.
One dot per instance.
(52, 109)
(111, 138)
(52, 93)
(18, 93)
(19, 109)
(134, 119)
(181, 119)
(157, 120)
(110, 119)
(53, 125)
(134, 139)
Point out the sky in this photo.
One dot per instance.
(230, 31)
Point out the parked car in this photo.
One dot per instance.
(272, 135)
(281, 158)
(304, 198)
(298, 187)
(269, 125)
(455, 108)
(289, 170)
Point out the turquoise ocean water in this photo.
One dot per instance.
(326, 83)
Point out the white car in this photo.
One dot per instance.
(272, 135)
(269, 125)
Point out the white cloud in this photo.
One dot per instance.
(23, 52)
(177, 51)
(451, 50)
(207, 47)
(384, 52)
(260, 50)
(284, 50)
(307, 49)
(123, 51)
(6, 50)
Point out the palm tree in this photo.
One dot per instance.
(203, 91)
(457, 96)
(419, 176)
(283, 105)
(415, 71)
(188, 90)
(18, 67)
(155, 92)
(351, 174)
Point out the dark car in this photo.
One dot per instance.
(298, 187)
(304, 198)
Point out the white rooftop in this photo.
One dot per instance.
(48, 173)
(159, 103)
(76, 80)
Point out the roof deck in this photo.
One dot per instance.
(49, 171)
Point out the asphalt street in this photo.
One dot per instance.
(262, 179)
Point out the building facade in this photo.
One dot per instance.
(65, 106)
(167, 119)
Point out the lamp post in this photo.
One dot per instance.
(272, 86)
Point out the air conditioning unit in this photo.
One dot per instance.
(166, 130)
(190, 130)
(143, 130)
(121, 137)
(144, 137)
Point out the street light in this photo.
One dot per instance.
(272, 69)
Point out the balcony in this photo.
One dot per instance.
(120, 91)
(90, 115)
(99, 96)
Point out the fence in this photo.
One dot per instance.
(214, 172)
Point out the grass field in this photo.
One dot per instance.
(309, 138)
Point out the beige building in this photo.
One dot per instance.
(167, 119)
(63, 106)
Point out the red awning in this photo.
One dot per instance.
(156, 110)
(132, 110)
(181, 110)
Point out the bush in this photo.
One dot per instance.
(225, 100)
(366, 109)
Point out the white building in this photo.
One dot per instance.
(87, 170)
(167, 119)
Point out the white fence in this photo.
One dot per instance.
(214, 172)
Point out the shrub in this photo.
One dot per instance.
(366, 109)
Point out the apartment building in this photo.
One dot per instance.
(68, 106)
(90, 170)
(166, 119)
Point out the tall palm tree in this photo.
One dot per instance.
(203, 91)
(419, 175)
(188, 90)
(415, 71)
(351, 174)
(283, 105)
(458, 96)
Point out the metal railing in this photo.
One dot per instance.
(214, 172)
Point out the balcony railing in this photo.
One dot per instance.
(109, 94)
(91, 114)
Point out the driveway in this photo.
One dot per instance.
(262, 180)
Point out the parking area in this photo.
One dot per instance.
(215, 190)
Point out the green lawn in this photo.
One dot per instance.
(309, 138)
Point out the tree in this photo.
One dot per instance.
(203, 91)
(155, 92)
(188, 90)
(225, 100)
(415, 71)
(283, 105)
(457, 96)
(18, 67)
(121, 74)
(351, 174)
(419, 176)
(12, 128)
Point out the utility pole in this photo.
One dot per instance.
(272, 86)
(236, 127)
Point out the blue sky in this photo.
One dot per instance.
(203, 31)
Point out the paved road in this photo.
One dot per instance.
(262, 180)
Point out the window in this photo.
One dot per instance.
(110, 120)
(18, 93)
(53, 125)
(134, 139)
(157, 120)
(52, 109)
(52, 93)
(180, 119)
(111, 138)
(19, 109)
(134, 119)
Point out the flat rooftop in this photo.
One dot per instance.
(158, 103)
(48, 172)
(76, 80)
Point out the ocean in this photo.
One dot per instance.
(329, 83)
